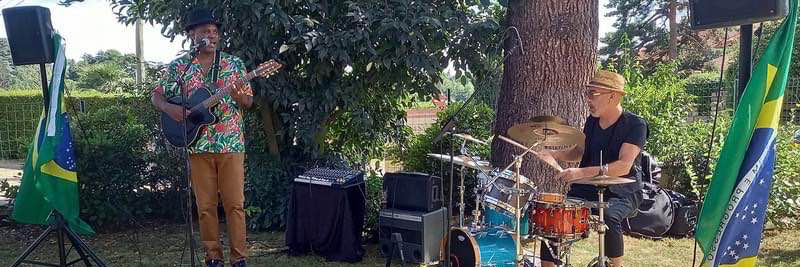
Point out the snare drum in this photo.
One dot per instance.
(567, 220)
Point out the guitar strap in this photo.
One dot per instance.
(215, 67)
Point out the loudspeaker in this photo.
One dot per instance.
(30, 34)
(412, 191)
(707, 14)
(422, 234)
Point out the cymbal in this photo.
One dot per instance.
(470, 138)
(546, 134)
(465, 161)
(604, 180)
(549, 119)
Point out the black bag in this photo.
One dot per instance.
(651, 172)
(654, 216)
(685, 215)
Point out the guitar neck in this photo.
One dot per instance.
(214, 99)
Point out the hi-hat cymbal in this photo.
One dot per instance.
(465, 161)
(546, 134)
(470, 138)
(604, 180)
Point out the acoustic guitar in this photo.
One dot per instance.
(200, 104)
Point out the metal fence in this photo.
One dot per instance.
(17, 127)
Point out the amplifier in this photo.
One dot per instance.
(412, 191)
(422, 234)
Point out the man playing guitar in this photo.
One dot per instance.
(217, 156)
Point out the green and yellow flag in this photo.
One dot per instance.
(730, 224)
(49, 180)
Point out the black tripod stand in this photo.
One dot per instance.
(59, 226)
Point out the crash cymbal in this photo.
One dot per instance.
(469, 138)
(604, 180)
(546, 133)
(462, 160)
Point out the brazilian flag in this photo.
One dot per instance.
(49, 179)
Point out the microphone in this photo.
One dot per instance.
(200, 44)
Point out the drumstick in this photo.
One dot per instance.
(553, 164)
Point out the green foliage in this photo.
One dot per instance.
(9, 191)
(374, 184)
(784, 199)
(459, 90)
(100, 76)
(5, 64)
(127, 192)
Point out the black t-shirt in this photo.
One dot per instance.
(629, 128)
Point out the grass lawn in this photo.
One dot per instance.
(163, 245)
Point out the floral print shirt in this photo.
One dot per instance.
(225, 136)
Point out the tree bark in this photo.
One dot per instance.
(271, 126)
(548, 74)
(673, 30)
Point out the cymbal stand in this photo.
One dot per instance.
(601, 224)
(601, 228)
(461, 200)
(476, 213)
(517, 234)
(478, 193)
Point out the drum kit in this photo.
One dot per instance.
(511, 211)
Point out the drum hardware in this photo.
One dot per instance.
(470, 138)
(461, 201)
(551, 197)
(476, 214)
(465, 161)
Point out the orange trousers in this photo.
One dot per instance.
(214, 173)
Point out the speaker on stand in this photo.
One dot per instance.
(30, 39)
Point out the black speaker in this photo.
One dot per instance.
(30, 34)
(412, 191)
(707, 14)
(421, 232)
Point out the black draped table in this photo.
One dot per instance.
(327, 221)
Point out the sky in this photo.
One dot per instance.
(90, 27)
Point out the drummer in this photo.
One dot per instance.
(620, 136)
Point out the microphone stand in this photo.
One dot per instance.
(190, 242)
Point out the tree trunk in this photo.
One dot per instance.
(673, 30)
(548, 77)
(271, 126)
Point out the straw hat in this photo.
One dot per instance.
(607, 80)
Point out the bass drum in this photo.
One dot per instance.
(491, 247)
